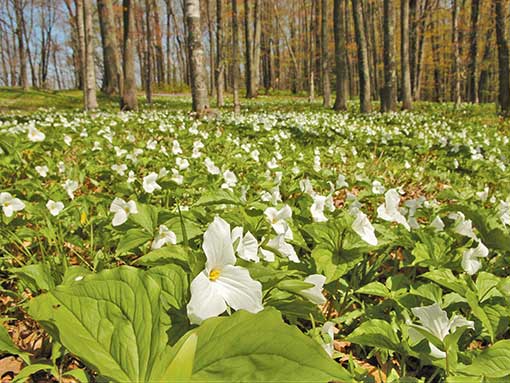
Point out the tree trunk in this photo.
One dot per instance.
(112, 69)
(128, 100)
(483, 83)
(340, 55)
(248, 49)
(159, 64)
(220, 84)
(456, 52)
(235, 56)
(404, 54)
(257, 32)
(326, 87)
(473, 52)
(90, 79)
(388, 96)
(363, 66)
(503, 58)
(210, 32)
(313, 26)
(168, 48)
(148, 55)
(20, 25)
(197, 67)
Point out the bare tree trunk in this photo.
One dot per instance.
(340, 55)
(326, 87)
(157, 38)
(197, 67)
(210, 32)
(148, 55)
(89, 57)
(404, 54)
(168, 49)
(112, 69)
(220, 84)
(235, 56)
(503, 58)
(437, 63)
(456, 52)
(255, 73)
(20, 25)
(81, 40)
(248, 42)
(313, 26)
(363, 66)
(128, 100)
(483, 83)
(388, 96)
(473, 52)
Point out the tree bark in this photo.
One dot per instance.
(148, 53)
(456, 52)
(257, 32)
(90, 79)
(473, 52)
(503, 58)
(20, 25)
(197, 67)
(111, 61)
(235, 56)
(128, 100)
(363, 65)
(220, 70)
(340, 55)
(404, 54)
(483, 83)
(326, 87)
(388, 96)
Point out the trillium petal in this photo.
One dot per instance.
(217, 244)
(434, 319)
(206, 300)
(119, 218)
(239, 290)
(364, 228)
(248, 248)
(314, 294)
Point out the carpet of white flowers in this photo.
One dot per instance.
(269, 246)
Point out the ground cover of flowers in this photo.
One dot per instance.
(270, 246)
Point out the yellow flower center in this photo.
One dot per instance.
(214, 274)
(6, 204)
(83, 218)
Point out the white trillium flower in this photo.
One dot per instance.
(131, 177)
(483, 195)
(504, 212)
(364, 228)
(211, 168)
(222, 283)
(176, 148)
(163, 237)
(230, 180)
(182, 163)
(328, 329)
(317, 209)
(435, 321)
(278, 220)
(314, 294)
(377, 187)
(35, 135)
(463, 226)
(437, 224)
(70, 187)
(54, 207)
(470, 262)
(247, 247)
(68, 140)
(177, 177)
(340, 182)
(149, 183)
(279, 244)
(122, 210)
(120, 169)
(10, 204)
(389, 211)
(42, 170)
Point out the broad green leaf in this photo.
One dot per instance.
(493, 362)
(375, 333)
(36, 277)
(165, 255)
(25, 373)
(181, 367)
(8, 346)
(114, 321)
(132, 239)
(374, 288)
(445, 278)
(147, 217)
(260, 348)
(217, 197)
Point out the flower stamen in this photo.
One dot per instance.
(214, 274)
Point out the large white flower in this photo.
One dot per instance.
(164, 236)
(122, 210)
(10, 204)
(389, 209)
(54, 207)
(278, 220)
(35, 135)
(504, 212)
(278, 243)
(435, 321)
(247, 247)
(364, 228)
(149, 183)
(70, 187)
(230, 180)
(314, 294)
(470, 262)
(211, 168)
(222, 283)
(463, 226)
(317, 208)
